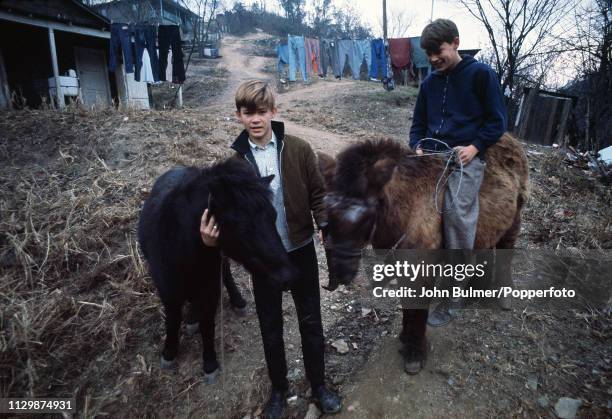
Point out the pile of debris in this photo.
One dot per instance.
(600, 163)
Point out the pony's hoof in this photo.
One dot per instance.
(168, 365)
(192, 329)
(211, 377)
(413, 367)
(240, 311)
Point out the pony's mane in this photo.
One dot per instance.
(353, 163)
(235, 182)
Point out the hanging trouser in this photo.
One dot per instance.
(120, 42)
(329, 57)
(282, 51)
(418, 57)
(346, 49)
(145, 37)
(378, 67)
(361, 51)
(169, 37)
(297, 56)
(313, 53)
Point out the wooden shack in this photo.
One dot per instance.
(542, 116)
(59, 48)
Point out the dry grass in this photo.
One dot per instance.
(73, 282)
(79, 316)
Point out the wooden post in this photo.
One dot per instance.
(550, 123)
(385, 20)
(567, 106)
(58, 88)
(530, 99)
(179, 97)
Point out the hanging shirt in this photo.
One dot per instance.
(146, 71)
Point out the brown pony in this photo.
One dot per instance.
(381, 193)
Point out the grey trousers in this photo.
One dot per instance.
(460, 217)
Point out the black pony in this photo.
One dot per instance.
(183, 268)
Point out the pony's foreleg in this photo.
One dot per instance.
(414, 350)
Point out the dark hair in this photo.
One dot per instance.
(436, 33)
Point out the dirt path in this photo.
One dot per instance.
(244, 67)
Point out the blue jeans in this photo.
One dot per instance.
(379, 59)
(361, 51)
(345, 52)
(169, 36)
(297, 56)
(283, 56)
(146, 37)
(120, 41)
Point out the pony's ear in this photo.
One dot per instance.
(381, 173)
(267, 179)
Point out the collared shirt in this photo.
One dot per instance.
(267, 159)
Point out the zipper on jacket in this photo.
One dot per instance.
(443, 105)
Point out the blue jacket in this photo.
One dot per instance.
(473, 111)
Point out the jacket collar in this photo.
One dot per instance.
(241, 144)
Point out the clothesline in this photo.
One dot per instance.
(130, 41)
(314, 56)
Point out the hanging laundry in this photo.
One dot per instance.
(146, 73)
(346, 49)
(120, 42)
(145, 39)
(329, 57)
(169, 68)
(282, 51)
(297, 56)
(361, 51)
(378, 68)
(169, 37)
(399, 50)
(419, 57)
(313, 55)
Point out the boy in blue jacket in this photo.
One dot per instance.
(461, 104)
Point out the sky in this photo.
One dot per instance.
(471, 32)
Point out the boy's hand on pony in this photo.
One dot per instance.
(209, 230)
(466, 154)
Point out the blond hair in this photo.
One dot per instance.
(255, 94)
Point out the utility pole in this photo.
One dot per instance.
(431, 16)
(385, 20)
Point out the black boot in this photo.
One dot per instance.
(328, 401)
(275, 408)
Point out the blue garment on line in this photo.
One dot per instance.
(378, 66)
(345, 49)
(120, 42)
(282, 51)
(297, 56)
(419, 57)
(145, 36)
(361, 51)
(463, 107)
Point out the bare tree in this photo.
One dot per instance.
(590, 52)
(294, 9)
(320, 17)
(521, 32)
(399, 22)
